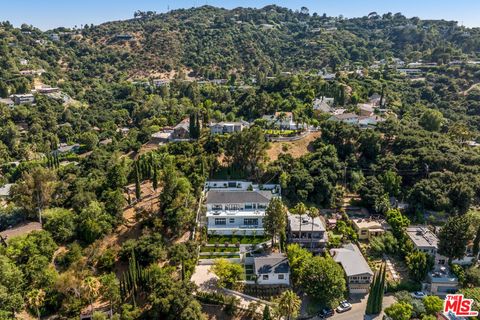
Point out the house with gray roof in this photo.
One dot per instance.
(311, 236)
(235, 207)
(272, 269)
(5, 191)
(358, 273)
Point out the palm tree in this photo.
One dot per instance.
(313, 213)
(35, 299)
(91, 288)
(300, 209)
(288, 305)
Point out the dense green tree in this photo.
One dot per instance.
(323, 279)
(418, 264)
(453, 237)
(60, 223)
(275, 220)
(399, 311)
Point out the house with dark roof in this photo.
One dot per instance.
(358, 273)
(272, 269)
(237, 207)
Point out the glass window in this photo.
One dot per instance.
(250, 221)
(248, 206)
(232, 207)
(217, 207)
(261, 205)
(265, 277)
(220, 221)
(231, 220)
(281, 276)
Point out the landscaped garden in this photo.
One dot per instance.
(213, 239)
(276, 132)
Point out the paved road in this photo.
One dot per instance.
(358, 310)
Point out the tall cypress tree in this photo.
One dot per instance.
(138, 191)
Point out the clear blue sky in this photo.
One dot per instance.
(54, 13)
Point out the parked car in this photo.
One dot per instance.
(343, 307)
(326, 313)
(418, 294)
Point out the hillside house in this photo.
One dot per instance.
(272, 269)
(19, 99)
(237, 207)
(349, 118)
(228, 127)
(8, 102)
(366, 110)
(181, 132)
(367, 228)
(358, 273)
(309, 236)
(440, 281)
(282, 120)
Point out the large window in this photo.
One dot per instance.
(231, 220)
(262, 206)
(248, 206)
(250, 221)
(232, 207)
(217, 207)
(220, 221)
(281, 277)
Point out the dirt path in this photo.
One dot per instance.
(473, 87)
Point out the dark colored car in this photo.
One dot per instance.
(326, 313)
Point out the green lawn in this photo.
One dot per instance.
(235, 239)
(220, 248)
(229, 256)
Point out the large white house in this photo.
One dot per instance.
(237, 206)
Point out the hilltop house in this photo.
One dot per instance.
(237, 206)
(440, 281)
(310, 236)
(367, 229)
(272, 269)
(358, 273)
(228, 127)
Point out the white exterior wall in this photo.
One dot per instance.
(273, 279)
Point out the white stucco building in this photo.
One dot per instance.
(237, 206)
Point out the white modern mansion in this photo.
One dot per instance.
(237, 207)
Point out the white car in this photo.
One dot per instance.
(418, 294)
(343, 307)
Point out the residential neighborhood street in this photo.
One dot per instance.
(358, 309)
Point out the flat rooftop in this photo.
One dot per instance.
(306, 223)
(421, 236)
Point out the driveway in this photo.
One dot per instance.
(359, 304)
(205, 280)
